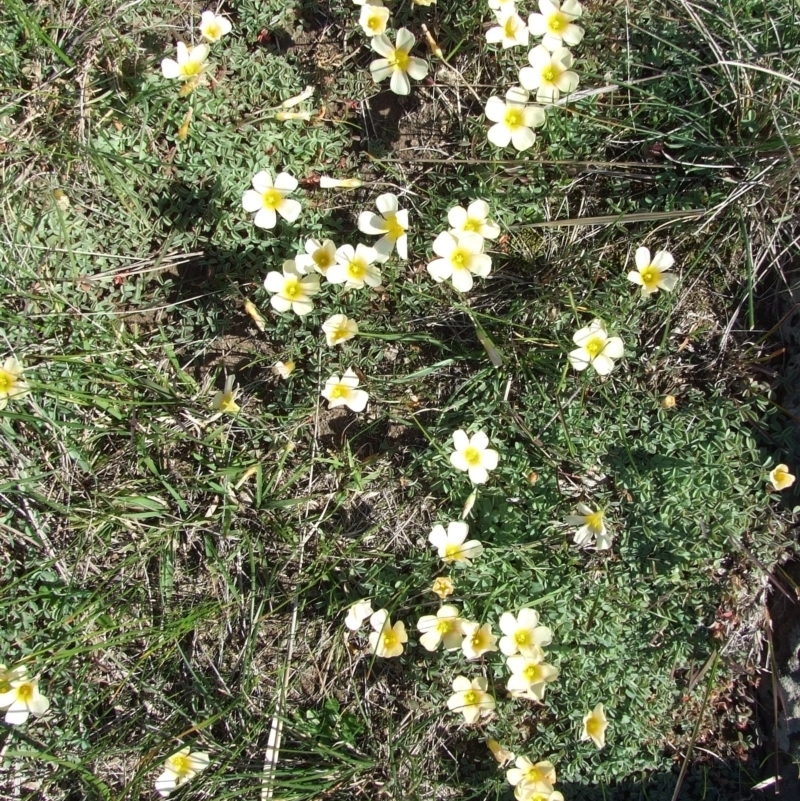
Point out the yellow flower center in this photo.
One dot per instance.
(357, 269)
(213, 31)
(322, 258)
(389, 639)
(549, 74)
(473, 456)
(595, 345)
(513, 118)
(7, 381)
(374, 22)
(532, 674)
(510, 28)
(393, 228)
(478, 640)
(292, 288)
(339, 391)
(522, 637)
(595, 521)
(340, 333)
(191, 68)
(459, 258)
(452, 551)
(650, 276)
(180, 764)
(25, 692)
(472, 226)
(228, 404)
(272, 199)
(444, 626)
(534, 775)
(399, 60)
(557, 22)
(471, 697)
(593, 727)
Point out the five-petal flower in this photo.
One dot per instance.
(513, 119)
(451, 545)
(386, 640)
(460, 257)
(357, 613)
(443, 628)
(555, 23)
(529, 677)
(343, 392)
(22, 698)
(510, 30)
(338, 329)
(473, 220)
(471, 699)
(191, 61)
(373, 19)
(180, 768)
(11, 383)
(650, 274)
(213, 27)
(523, 634)
(473, 455)
(596, 347)
(292, 290)
(549, 74)
(268, 197)
(592, 526)
(390, 225)
(397, 62)
(594, 726)
(319, 256)
(779, 477)
(354, 267)
(478, 639)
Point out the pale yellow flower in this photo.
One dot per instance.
(556, 23)
(319, 256)
(499, 752)
(224, 400)
(354, 267)
(451, 545)
(592, 526)
(343, 392)
(338, 329)
(11, 383)
(473, 455)
(513, 118)
(357, 614)
(443, 628)
(523, 634)
(268, 198)
(326, 182)
(650, 274)
(471, 699)
(510, 30)
(290, 116)
(180, 768)
(549, 74)
(473, 220)
(460, 257)
(22, 698)
(373, 19)
(478, 640)
(190, 64)
(532, 778)
(397, 62)
(283, 369)
(391, 225)
(597, 348)
(386, 640)
(443, 586)
(292, 290)
(779, 477)
(529, 677)
(214, 27)
(594, 726)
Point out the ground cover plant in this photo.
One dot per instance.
(390, 402)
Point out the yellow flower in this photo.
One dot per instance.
(292, 290)
(338, 329)
(357, 614)
(373, 19)
(354, 267)
(779, 477)
(513, 119)
(556, 23)
(451, 545)
(443, 628)
(473, 220)
(268, 197)
(650, 273)
(223, 401)
(180, 768)
(501, 754)
(213, 27)
(473, 455)
(386, 640)
(343, 392)
(397, 62)
(595, 347)
(549, 74)
(530, 778)
(523, 634)
(592, 525)
(190, 64)
(471, 699)
(594, 726)
(529, 676)
(319, 256)
(443, 586)
(460, 257)
(22, 698)
(391, 225)
(478, 640)
(283, 369)
(510, 31)
(11, 383)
